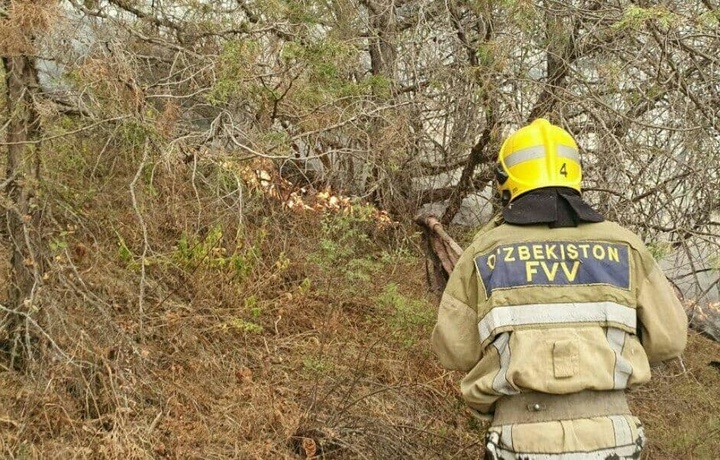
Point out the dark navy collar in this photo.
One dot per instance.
(555, 206)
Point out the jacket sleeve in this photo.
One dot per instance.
(663, 322)
(455, 338)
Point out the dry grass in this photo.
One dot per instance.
(275, 335)
(680, 407)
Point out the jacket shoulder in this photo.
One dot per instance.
(492, 224)
(618, 232)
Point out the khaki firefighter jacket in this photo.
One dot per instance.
(529, 308)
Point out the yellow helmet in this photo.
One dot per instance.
(536, 156)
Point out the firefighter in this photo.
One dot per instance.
(552, 312)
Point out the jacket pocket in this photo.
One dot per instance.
(566, 358)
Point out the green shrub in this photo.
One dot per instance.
(405, 314)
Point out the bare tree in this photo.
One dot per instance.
(406, 102)
(23, 209)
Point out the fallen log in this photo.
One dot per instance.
(441, 250)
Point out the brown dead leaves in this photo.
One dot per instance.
(265, 179)
(23, 22)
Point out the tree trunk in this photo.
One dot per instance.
(22, 210)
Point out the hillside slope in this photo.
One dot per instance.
(329, 371)
(181, 321)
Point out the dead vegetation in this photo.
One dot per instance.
(179, 322)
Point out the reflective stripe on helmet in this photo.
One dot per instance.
(538, 152)
(521, 156)
(570, 153)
